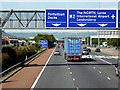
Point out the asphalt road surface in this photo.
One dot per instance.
(94, 71)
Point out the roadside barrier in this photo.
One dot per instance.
(20, 64)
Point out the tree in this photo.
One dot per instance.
(50, 38)
(95, 41)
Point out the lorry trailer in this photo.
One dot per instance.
(72, 49)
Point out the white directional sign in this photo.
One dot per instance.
(56, 18)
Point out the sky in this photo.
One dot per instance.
(59, 0)
(43, 4)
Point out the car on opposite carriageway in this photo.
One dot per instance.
(57, 53)
(97, 50)
(85, 52)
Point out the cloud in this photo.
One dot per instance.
(60, 0)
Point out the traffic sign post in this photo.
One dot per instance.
(43, 43)
(92, 19)
(56, 18)
(118, 18)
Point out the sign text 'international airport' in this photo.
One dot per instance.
(80, 18)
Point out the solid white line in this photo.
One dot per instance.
(105, 61)
(33, 86)
(77, 88)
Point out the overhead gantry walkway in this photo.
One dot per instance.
(31, 19)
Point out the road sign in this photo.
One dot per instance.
(43, 43)
(56, 18)
(92, 18)
(118, 18)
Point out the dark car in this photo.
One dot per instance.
(97, 50)
(85, 52)
(89, 49)
(84, 47)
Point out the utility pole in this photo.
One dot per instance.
(99, 38)
(88, 38)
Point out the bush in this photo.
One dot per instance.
(11, 56)
(7, 61)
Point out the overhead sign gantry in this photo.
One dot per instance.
(72, 19)
(56, 18)
(80, 18)
(92, 18)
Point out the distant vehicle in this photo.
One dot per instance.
(105, 44)
(58, 45)
(72, 49)
(101, 45)
(84, 47)
(116, 47)
(117, 69)
(85, 52)
(57, 53)
(62, 45)
(97, 50)
(89, 49)
(108, 46)
(94, 45)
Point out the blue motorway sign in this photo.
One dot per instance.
(92, 19)
(43, 43)
(118, 18)
(56, 18)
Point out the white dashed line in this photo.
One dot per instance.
(68, 68)
(100, 72)
(73, 79)
(70, 72)
(108, 78)
(93, 67)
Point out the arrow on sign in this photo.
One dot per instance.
(103, 25)
(81, 24)
(56, 24)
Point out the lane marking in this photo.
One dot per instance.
(38, 77)
(106, 61)
(77, 88)
(70, 72)
(73, 79)
(108, 78)
(68, 68)
(100, 72)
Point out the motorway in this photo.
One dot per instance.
(93, 72)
